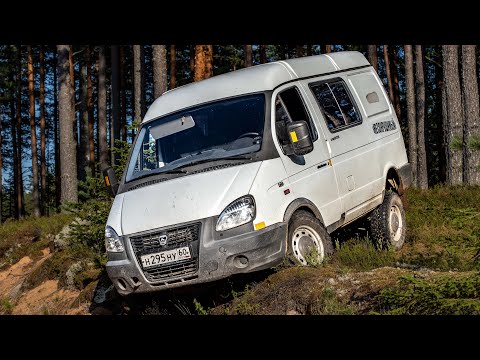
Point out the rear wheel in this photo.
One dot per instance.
(388, 224)
(308, 240)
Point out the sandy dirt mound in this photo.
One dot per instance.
(12, 278)
(46, 298)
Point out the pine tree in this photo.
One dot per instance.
(453, 123)
(68, 158)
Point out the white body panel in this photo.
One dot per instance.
(185, 198)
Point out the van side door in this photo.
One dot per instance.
(349, 141)
(309, 176)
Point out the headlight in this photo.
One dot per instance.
(239, 212)
(112, 241)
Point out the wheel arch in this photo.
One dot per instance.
(393, 173)
(393, 180)
(302, 204)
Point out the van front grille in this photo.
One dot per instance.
(152, 242)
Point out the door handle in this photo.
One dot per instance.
(335, 138)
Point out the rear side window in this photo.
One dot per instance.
(337, 105)
(289, 107)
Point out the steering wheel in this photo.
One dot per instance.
(250, 134)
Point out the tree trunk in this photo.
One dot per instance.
(396, 87)
(43, 159)
(328, 49)
(454, 128)
(72, 80)
(299, 51)
(138, 64)
(209, 61)
(1, 162)
(422, 176)
(199, 63)
(160, 69)
(309, 50)
(471, 135)
(102, 109)
(192, 62)
(203, 62)
(68, 159)
(91, 135)
(412, 128)
(58, 178)
(72, 70)
(18, 115)
(248, 58)
(83, 150)
(282, 52)
(372, 56)
(115, 57)
(441, 113)
(173, 63)
(387, 70)
(16, 164)
(33, 134)
(263, 54)
(123, 93)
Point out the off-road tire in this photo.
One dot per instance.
(303, 225)
(387, 223)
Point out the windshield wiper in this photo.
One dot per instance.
(153, 172)
(234, 157)
(173, 171)
(201, 161)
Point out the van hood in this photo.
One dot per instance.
(186, 198)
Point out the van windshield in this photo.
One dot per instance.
(223, 129)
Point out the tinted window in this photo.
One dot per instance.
(336, 104)
(289, 107)
(211, 131)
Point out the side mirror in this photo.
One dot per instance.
(300, 137)
(111, 181)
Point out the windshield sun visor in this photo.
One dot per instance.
(172, 127)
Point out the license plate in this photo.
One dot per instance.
(165, 257)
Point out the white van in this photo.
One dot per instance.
(235, 173)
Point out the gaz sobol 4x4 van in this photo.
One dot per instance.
(234, 173)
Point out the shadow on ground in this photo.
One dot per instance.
(188, 300)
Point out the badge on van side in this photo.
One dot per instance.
(384, 126)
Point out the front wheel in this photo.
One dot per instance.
(388, 224)
(308, 240)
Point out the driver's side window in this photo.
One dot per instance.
(290, 107)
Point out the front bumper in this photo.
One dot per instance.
(219, 256)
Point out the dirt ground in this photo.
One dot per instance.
(47, 298)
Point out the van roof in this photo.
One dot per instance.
(253, 79)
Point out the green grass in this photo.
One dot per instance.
(443, 228)
(446, 295)
(28, 236)
(328, 303)
(360, 255)
(6, 307)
